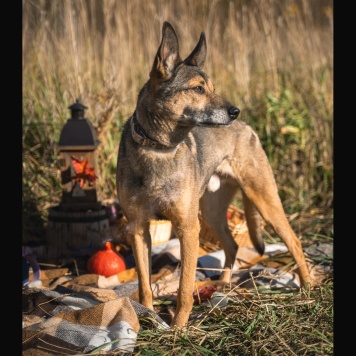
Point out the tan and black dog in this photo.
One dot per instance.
(183, 151)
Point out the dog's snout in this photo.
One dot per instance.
(233, 112)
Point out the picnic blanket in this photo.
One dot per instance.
(67, 314)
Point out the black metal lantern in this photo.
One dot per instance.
(78, 163)
(79, 224)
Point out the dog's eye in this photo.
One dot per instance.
(199, 89)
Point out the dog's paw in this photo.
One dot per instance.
(180, 329)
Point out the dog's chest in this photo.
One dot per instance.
(164, 177)
(168, 172)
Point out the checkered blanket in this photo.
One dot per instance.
(90, 313)
(67, 322)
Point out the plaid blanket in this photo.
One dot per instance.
(67, 322)
(70, 315)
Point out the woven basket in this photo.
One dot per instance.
(236, 221)
(160, 230)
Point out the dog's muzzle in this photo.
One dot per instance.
(233, 112)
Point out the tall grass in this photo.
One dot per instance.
(273, 59)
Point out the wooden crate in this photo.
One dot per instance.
(160, 230)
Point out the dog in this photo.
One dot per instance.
(183, 153)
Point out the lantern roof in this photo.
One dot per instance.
(78, 133)
(77, 106)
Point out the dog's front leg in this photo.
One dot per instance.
(188, 235)
(140, 239)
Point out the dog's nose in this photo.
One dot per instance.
(233, 112)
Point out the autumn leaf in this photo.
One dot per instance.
(83, 172)
(203, 293)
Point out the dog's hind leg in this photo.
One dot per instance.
(253, 220)
(213, 207)
(270, 207)
(257, 181)
(139, 236)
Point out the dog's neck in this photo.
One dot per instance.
(141, 137)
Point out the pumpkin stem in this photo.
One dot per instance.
(108, 245)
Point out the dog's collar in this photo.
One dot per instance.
(139, 135)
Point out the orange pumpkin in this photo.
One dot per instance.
(106, 262)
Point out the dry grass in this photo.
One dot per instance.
(253, 323)
(273, 59)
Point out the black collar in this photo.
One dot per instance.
(139, 135)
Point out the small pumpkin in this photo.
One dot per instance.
(106, 262)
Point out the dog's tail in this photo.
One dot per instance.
(253, 219)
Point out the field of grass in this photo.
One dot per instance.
(270, 323)
(272, 58)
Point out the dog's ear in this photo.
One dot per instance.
(167, 56)
(198, 55)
